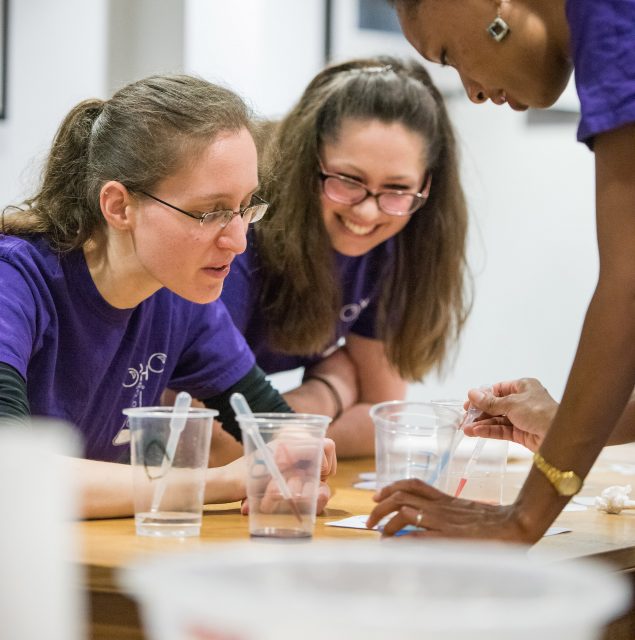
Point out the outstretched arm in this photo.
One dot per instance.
(600, 383)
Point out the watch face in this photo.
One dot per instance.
(569, 485)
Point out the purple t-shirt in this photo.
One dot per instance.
(84, 360)
(603, 53)
(360, 280)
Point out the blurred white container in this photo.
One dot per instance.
(371, 591)
(39, 594)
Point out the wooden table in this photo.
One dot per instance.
(110, 544)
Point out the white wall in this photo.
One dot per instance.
(56, 57)
(532, 249)
(266, 50)
(530, 186)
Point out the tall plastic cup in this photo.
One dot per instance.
(413, 440)
(169, 490)
(296, 442)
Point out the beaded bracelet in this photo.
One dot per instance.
(333, 391)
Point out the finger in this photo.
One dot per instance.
(272, 498)
(394, 502)
(487, 402)
(492, 431)
(324, 495)
(329, 459)
(244, 507)
(507, 387)
(410, 485)
(404, 517)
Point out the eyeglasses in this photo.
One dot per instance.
(393, 202)
(253, 212)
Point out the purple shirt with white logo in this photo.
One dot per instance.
(603, 53)
(360, 280)
(84, 360)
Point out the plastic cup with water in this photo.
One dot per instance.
(168, 496)
(296, 444)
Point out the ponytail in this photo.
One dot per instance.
(61, 209)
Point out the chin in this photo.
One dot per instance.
(353, 250)
(200, 296)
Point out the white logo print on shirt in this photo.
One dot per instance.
(350, 312)
(136, 378)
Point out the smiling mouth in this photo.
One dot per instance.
(357, 229)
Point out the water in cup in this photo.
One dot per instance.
(176, 524)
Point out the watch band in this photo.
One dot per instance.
(566, 483)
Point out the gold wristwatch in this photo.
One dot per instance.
(566, 483)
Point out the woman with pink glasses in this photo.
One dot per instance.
(357, 273)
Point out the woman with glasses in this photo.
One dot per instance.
(522, 53)
(107, 274)
(357, 274)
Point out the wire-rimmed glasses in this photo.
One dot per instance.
(393, 202)
(253, 212)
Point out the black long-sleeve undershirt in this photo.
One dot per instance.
(13, 398)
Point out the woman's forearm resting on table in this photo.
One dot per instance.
(106, 491)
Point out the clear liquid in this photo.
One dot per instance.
(482, 486)
(283, 522)
(168, 524)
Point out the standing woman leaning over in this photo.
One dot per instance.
(108, 275)
(522, 52)
(357, 273)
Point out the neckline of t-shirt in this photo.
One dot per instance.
(85, 286)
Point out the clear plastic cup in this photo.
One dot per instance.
(169, 491)
(357, 590)
(296, 442)
(413, 440)
(481, 478)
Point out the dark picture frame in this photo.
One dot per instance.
(4, 30)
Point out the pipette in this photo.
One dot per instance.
(177, 423)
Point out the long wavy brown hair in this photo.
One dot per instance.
(138, 137)
(426, 296)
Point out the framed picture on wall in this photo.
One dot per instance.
(3, 57)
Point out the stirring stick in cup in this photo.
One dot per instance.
(177, 423)
(241, 408)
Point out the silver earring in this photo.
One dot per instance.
(498, 28)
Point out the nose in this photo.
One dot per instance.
(474, 90)
(367, 208)
(233, 237)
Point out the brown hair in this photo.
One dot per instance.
(138, 137)
(424, 303)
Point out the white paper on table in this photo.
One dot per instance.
(623, 468)
(587, 501)
(575, 507)
(370, 485)
(359, 522)
(368, 475)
